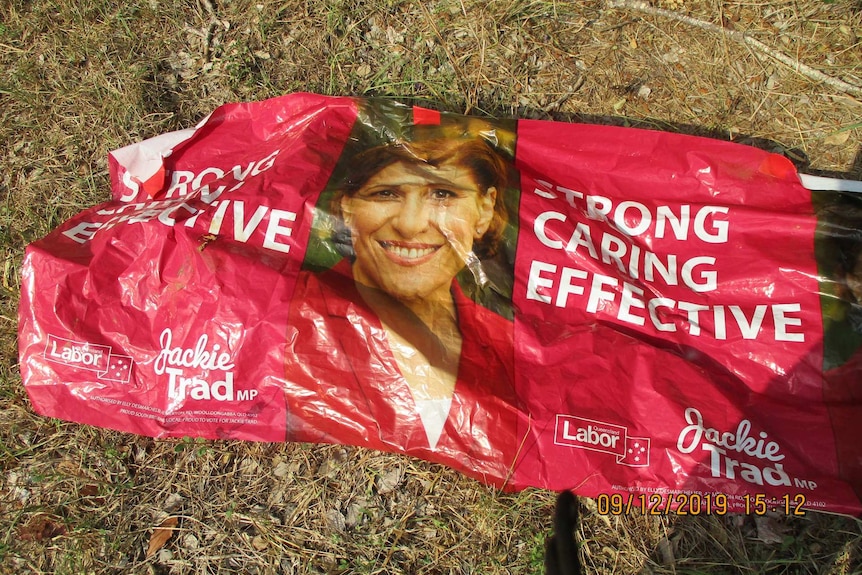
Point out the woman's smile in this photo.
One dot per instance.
(408, 254)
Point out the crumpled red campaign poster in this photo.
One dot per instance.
(670, 319)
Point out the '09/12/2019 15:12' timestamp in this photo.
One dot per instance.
(697, 504)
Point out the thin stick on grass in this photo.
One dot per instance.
(744, 38)
(459, 75)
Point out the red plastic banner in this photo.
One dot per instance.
(671, 319)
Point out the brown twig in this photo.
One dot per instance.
(744, 38)
(462, 78)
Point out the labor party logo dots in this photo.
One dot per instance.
(603, 437)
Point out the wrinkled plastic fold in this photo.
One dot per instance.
(671, 319)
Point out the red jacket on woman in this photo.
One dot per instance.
(344, 385)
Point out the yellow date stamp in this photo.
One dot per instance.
(759, 504)
(663, 503)
(697, 504)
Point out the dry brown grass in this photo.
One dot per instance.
(80, 78)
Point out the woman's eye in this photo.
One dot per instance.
(442, 194)
(385, 193)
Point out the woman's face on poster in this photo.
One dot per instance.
(413, 226)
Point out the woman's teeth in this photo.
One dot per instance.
(408, 253)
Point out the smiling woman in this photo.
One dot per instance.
(385, 349)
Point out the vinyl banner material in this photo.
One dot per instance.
(671, 319)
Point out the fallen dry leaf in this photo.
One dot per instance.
(259, 543)
(161, 534)
(389, 481)
(768, 529)
(665, 549)
(336, 520)
(838, 138)
(88, 490)
(40, 528)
